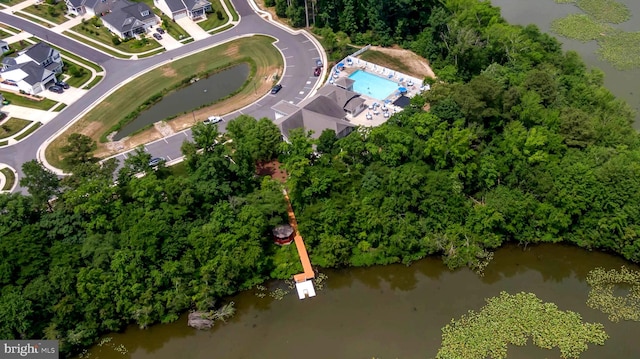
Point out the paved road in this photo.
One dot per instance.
(298, 50)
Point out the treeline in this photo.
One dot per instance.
(521, 144)
(84, 256)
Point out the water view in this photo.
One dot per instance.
(387, 312)
(623, 84)
(202, 92)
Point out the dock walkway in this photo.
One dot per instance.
(302, 250)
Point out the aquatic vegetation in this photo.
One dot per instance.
(602, 295)
(580, 27)
(279, 293)
(609, 11)
(621, 49)
(512, 319)
(319, 281)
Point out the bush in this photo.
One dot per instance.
(269, 3)
(219, 15)
(115, 40)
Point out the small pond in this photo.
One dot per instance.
(202, 92)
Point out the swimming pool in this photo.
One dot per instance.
(371, 85)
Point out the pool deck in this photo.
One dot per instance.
(371, 116)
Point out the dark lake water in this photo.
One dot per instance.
(623, 84)
(202, 92)
(387, 312)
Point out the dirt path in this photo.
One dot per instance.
(418, 64)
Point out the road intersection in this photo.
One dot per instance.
(299, 51)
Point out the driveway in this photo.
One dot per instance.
(192, 28)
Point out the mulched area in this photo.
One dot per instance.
(272, 169)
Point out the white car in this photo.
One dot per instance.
(213, 119)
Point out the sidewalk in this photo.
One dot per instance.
(192, 28)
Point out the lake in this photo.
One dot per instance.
(387, 312)
(202, 92)
(623, 84)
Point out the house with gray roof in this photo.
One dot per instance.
(130, 19)
(325, 110)
(177, 9)
(4, 46)
(92, 7)
(32, 70)
(350, 101)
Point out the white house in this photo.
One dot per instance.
(177, 9)
(32, 70)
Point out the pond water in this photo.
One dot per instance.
(204, 91)
(623, 84)
(387, 312)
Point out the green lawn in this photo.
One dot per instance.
(15, 47)
(66, 54)
(31, 18)
(11, 178)
(9, 28)
(172, 28)
(212, 20)
(53, 13)
(18, 100)
(100, 33)
(94, 82)
(232, 10)
(115, 108)
(12, 126)
(105, 48)
(4, 143)
(29, 131)
(11, 2)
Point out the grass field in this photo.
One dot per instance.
(11, 179)
(53, 13)
(18, 100)
(102, 35)
(385, 60)
(12, 126)
(99, 46)
(212, 20)
(115, 108)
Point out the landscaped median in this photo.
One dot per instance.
(117, 109)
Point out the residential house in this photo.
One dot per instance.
(177, 9)
(350, 101)
(93, 7)
(316, 114)
(130, 20)
(32, 70)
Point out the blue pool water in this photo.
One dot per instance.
(371, 85)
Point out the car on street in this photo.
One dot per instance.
(317, 71)
(62, 84)
(56, 89)
(155, 161)
(212, 120)
(275, 89)
(157, 36)
(318, 63)
(160, 30)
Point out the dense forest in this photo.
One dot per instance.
(520, 143)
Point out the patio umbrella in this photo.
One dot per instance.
(341, 64)
(402, 89)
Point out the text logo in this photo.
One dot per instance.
(29, 349)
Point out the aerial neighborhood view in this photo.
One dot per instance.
(319, 179)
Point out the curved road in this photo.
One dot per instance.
(297, 81)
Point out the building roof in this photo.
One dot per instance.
(338, 94)
(353, 104)
(104, 6)
(285, 108)
(315, 114)
(29, 72)
(344, 82)
(282, 231)
(195, 4)
(129, 17)
(175, 5)
(402, 101)
(39, 52)
(9, 61)
(75, 3)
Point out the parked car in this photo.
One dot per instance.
(56, 89)
(157, 36)
(160, 30)
(155, 161)
(275, 89)
(318, 63)
(62, 84)
(317, 71)
(212, 119)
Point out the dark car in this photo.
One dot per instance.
(275, 89)
(157, 36)
(155, 161)
(62, 84)
(56, 89)
(160, 30)
(317, 71)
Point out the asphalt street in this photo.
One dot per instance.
(299, 53)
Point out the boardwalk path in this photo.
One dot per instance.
(302, 250)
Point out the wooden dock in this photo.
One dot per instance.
(302, 250)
